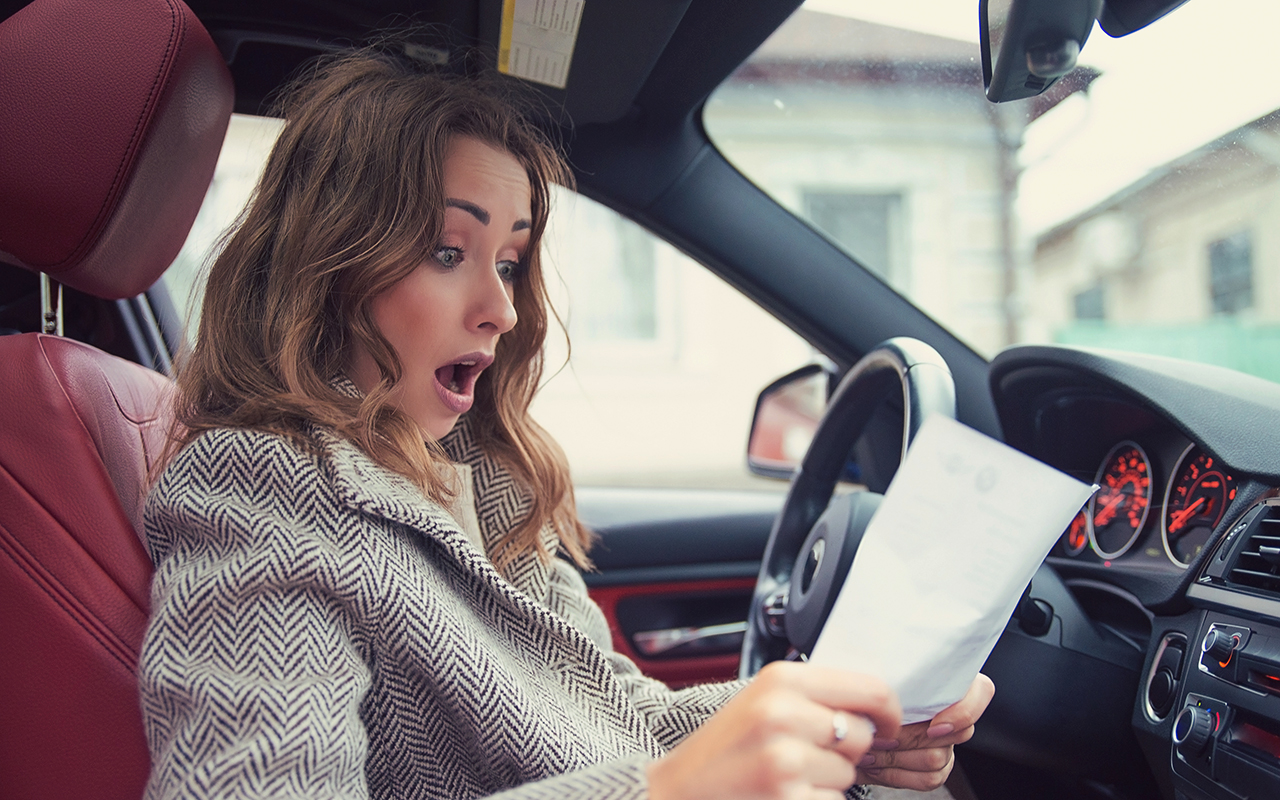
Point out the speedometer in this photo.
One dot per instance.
(1119, 509)
(1198, 495)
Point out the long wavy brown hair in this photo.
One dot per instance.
(351, 201)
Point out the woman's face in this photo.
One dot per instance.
(444, 318)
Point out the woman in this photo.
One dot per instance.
(361, 586)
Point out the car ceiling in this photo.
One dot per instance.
(659, 57)
(630, 120)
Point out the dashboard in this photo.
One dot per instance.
(1173, 567)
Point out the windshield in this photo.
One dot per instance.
(1129, 207)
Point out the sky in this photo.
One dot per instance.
(1203, 70)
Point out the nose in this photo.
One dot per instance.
(492, 308)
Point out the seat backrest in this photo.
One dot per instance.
(111, 118)
(74, 577)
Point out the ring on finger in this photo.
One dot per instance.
(839, 727)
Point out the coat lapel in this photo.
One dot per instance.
(501, 503)
(363, 485)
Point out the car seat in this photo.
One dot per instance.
(111, 119)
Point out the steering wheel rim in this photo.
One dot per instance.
(927, 388)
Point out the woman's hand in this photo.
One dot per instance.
(778, 738)
(920, 757)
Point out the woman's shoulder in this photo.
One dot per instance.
(230, 453)
(236, 481)
(226, 465)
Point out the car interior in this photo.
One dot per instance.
(1143, 661)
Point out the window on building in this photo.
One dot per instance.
(611, 263)
(1091, 303)
(1231, 273)
(623, 288)
(863, 224)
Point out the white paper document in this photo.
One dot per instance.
(960, 532)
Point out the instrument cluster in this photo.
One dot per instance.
(1171, 498)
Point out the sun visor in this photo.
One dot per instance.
(589, 57)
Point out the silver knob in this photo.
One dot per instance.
(1220, 645)
(1192, 729)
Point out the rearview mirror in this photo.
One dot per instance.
(1028, 44)
(1123, 17)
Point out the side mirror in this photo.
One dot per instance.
(787, 415)
(1028, 44)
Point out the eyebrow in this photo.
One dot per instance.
(482, 215)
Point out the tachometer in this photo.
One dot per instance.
(1119, 509)
(1198, 495)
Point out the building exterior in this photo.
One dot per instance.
(883, 139)
(908, 168)
(1184, 262)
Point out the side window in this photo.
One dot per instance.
(667, 359)
(244, 152)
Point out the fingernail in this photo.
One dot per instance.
(884, 744)
(867, 760)
(941, 729)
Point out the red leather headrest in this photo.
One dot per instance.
(113, 117)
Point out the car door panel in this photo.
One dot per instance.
(674, 572)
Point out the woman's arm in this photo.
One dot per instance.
(257, 698)
(237, 706)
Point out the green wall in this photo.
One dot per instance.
(1254, 349)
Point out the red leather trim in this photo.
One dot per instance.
(80, 460)
(676, 672)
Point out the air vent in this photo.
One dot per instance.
(1258, 564)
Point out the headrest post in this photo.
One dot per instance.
(50, 308)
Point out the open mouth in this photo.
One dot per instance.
(456, 381)
(459, 378)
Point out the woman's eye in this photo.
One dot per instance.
(508, 270)
(448, 256)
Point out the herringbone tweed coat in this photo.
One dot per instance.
(322, 630)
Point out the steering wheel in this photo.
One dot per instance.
(815, 536)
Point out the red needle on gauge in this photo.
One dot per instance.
(1108, 511)
(1180, 517)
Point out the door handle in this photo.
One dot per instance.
(718, 638)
